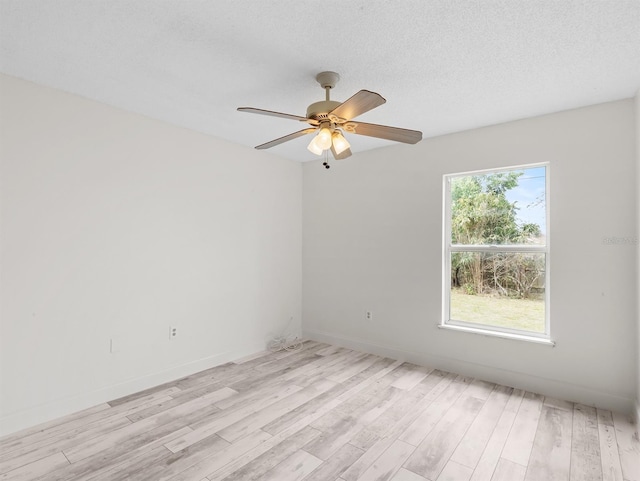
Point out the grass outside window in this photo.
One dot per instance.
(524, 314)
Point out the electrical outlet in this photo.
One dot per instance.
(368, 315)
(173, 332)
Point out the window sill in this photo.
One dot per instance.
(503, 335)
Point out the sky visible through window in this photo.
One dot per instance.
(529, 197)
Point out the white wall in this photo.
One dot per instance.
(116, 226)
(372, 240)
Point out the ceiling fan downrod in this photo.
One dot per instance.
(327, 81)
(320, 110)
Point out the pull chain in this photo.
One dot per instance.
(326, 160)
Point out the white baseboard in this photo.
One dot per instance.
(540, 385)
(33, 416)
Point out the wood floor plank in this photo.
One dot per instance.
(520, 441)
(455, 472)
(174, 463)
(509, 471)
(160, 406)
(628, 446)
(353, 369)
(133, 468)
(336, 464)
(78, 425)
(247, 457)
(353, 472)
(32, 452)
(359, 404)
(406, 475)
(609, 454)
(226, 418)
(316, 371)
(326, 413)
(476, 438)
(303, 411)
(244, 376)
(585, 446)
(256, 420)
(329, 350)
(515, 401)
(260, 392)
(36, 469)
(550, 458)
(423, 425)
(363, 401)
(6, 442)
(300, 424)
(215, 461)
(195, 387)
(307, 346)
(480, 389)
(433, 453)
(295, 467)
(350, 396)
(296, 358)
(491, 455)
(558, 403)
(230, 373)
(363, 463)
(257, 379)
(337, 435)
(125, 454)
(316, 404)
(326, 367)
(180, 412)
(412, 378)
(257, 468)
(407, 406)
(389, 462)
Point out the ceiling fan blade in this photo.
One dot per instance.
(271, 113)
(383, 132)
(343, 155)
(286, 138)
(358, 104)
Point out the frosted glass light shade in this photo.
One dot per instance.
(314, 147)
(323, 139)
(340, 144)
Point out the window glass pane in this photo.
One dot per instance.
(499, 208)
(503, 289)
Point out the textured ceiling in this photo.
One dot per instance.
(443, 66)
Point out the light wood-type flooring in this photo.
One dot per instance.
(327, 413)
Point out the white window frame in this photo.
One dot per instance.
(449, 248)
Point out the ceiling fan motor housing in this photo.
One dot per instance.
(320, 110)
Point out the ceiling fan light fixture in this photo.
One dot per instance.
(323, 139)
(340, 144)
(313, 146)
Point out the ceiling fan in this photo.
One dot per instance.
(329, 119)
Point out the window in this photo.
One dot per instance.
(496, 252)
